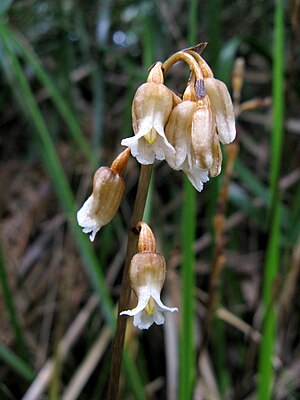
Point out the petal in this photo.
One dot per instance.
(178, 132)
(222, 108)
(87, 220)
(140, 149)
(202, 136)
(93, 232)
(144, 296)
(156, 296)
(143, 320)
(162, 148)
(159, 319)
(152, 105)
(196, 175)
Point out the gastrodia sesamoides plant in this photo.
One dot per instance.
(147, 274)
(186, 131)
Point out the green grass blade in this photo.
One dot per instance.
(214, 30)
(187, 354)
(266, 354)
(59, 179)
(16, 363)
(61, 105)
(58, 176)
(12, 310)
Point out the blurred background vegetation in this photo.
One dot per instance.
(69, 70)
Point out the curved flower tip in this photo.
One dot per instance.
(89, 222)
(196, 175)
(148, 311)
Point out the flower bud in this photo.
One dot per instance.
(103, 204)
(147, 242)
(156, 73)
(222, 108)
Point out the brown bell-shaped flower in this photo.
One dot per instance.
(147, 274)
(179, 134)
(151, 108)
(103, 204)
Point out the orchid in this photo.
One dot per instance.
(152, 105)
(147, 275)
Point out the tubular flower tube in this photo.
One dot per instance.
(151, 108)
(103, 204)
(147, 274)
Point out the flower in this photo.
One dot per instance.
(222, 108)
(179, 133)
(147, 275)
(151, 108)
(103, 204)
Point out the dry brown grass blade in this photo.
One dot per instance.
(207, 387)
(290, 286)
(38, 386)
(87, 367)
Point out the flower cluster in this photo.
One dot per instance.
(187, 131)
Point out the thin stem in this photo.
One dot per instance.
(118, 343)
(205, 68)
(183, 56)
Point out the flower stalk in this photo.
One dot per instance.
(118, 342)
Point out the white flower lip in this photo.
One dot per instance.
(143, 319)
(90, 222)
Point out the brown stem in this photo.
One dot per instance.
(118, 343)
(182, 56)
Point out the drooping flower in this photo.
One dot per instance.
(222, 108)
(151, 108)
(103, 204)
(179, 133)
(147, 274)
